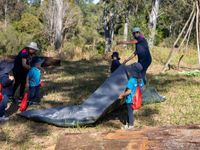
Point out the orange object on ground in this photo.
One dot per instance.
(137, 99)
(23, 105)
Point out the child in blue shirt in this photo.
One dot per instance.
(134, 81)
(33, 80)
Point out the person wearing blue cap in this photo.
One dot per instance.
(142, 50)
(33, 80)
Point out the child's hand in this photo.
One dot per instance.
(11, 77)
(120, 96)
(27, 85)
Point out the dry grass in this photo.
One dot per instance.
(74, 81)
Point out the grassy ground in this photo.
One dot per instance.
(74, 81)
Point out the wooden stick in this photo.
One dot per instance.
(175, 43)
(197, 30)
(188, 31)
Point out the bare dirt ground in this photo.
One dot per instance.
(162, 138)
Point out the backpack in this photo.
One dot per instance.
(137, 99)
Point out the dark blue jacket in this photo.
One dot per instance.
(115, 64)
(7, 84)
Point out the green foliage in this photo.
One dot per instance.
(195, 73)
(9, 42)
(29, 24)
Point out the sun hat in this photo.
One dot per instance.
(115, 54)
(136, 29)
(36, 60)
(33, 45)
(5, 67)
(135, 70)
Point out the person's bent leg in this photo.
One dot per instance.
(3, 105)
(17, 83)
(144, 75)
(23, 85)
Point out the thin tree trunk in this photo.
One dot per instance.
(108, 30)
(58, 23)
(126, 29)
(5, 11)
(175, 43)
(197, 29)
(153, 21)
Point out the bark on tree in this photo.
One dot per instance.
(197, 29)
(5, 13)
(59, 16)
(153, 21)
(126, 28)
(55, 13)
(108, 18)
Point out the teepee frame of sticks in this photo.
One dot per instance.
(187, 29)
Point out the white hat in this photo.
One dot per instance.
(136, 29)
(33, 45)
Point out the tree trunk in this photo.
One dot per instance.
(58, 21)
(55, 12)
(153, 21)
(198, 29)
(5, 13)
(126, 29)
(108, 29)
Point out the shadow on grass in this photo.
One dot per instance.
(87, 77)
(164, 82)
(118, 117)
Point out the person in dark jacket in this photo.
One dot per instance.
(115, 62)
(6, 81)
(22, 66)
(142, 51)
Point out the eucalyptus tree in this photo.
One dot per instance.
(153, 20)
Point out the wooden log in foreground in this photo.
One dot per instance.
(49, 61)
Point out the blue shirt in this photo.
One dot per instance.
(34, 77)
(132, 85)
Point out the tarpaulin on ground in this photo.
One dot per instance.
(102, 101)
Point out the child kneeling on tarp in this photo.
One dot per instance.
(33, 81)
(134, 81)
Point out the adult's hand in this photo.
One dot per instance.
(27, 85)
(120, 96)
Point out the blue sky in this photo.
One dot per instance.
(96, 1)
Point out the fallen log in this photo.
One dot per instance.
(48, 61)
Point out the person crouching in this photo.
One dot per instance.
(6, 81)
(33, 81)
(134, 81)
